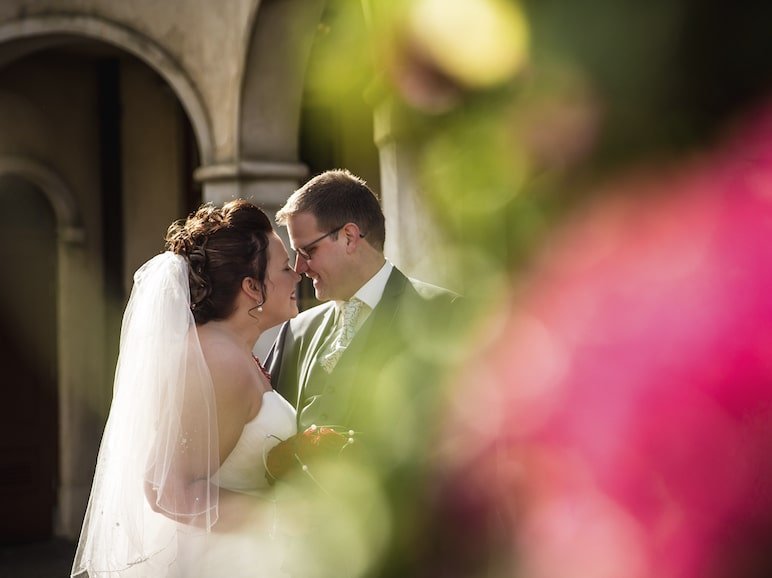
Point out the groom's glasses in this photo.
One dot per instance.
(305, 251)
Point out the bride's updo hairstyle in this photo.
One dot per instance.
(222, 246)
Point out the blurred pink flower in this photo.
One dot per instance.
(621, 420)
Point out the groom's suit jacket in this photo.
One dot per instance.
(338, 398)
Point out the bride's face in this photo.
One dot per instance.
(280, 283)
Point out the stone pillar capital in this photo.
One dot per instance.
(265, 183)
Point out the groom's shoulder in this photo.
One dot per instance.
(426, 291)
(431, 292)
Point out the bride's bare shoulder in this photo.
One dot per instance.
(228, 364)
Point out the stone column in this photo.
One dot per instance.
(84, 397)
(413, 240)
(265, 183)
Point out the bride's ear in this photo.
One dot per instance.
(252, 289)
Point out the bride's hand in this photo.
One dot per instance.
(302, 450)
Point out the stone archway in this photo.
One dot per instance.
(85, 317)
(263, 165)
(69, 229)
(82, 163)
(39, 32)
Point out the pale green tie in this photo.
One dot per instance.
(348, 323)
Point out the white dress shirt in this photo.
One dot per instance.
(370, 293)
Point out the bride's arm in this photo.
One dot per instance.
(188, 486)
(182, 507)
(233, 508)
(238, 401)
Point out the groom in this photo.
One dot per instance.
(327, 359)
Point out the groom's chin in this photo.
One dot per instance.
(320, 294)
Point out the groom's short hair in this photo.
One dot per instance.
(337, 197)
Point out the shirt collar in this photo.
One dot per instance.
(372, 291)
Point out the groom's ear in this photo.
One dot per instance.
(351, 231)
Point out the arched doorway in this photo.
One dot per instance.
(111, 128)
(28, 361)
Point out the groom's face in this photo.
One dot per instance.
(320, 256)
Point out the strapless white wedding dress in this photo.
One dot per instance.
(256, 548)
(243, 470)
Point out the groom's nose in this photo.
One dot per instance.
(301, 266)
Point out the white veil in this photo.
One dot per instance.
(159, 451)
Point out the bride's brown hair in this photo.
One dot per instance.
(222, 247)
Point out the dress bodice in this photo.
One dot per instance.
(244, 469)
(256, 547)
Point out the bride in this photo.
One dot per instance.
(179, 487)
